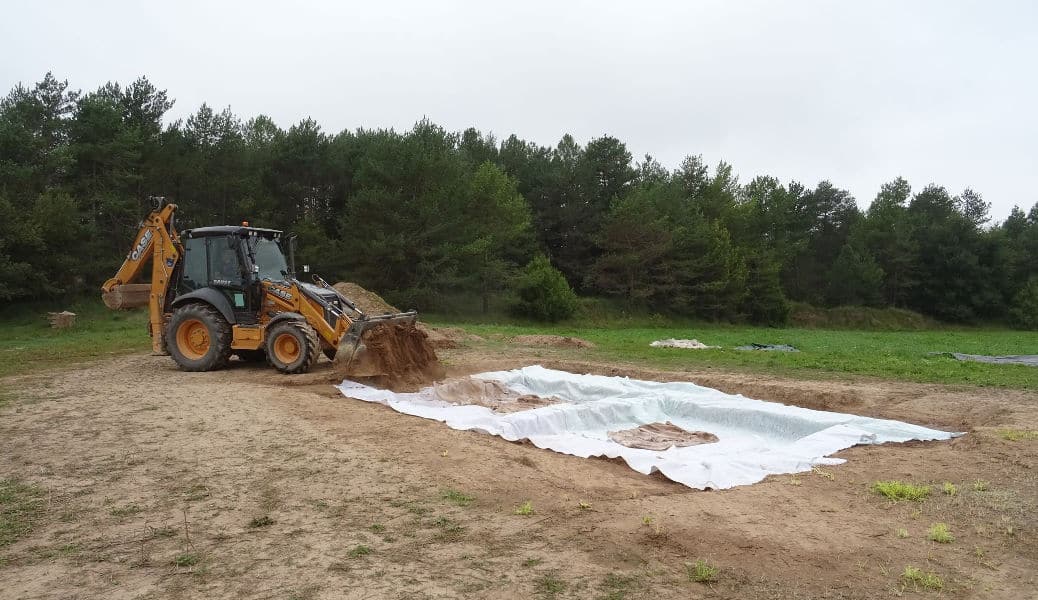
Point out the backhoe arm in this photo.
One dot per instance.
(157, 240)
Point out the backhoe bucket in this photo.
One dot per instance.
(127, 295)
(389, 349)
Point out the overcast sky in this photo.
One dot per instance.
(857, 93)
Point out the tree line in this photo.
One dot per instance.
(429, 215)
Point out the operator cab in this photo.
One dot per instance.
(233, 260)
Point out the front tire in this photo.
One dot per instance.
(198, 338)
(292, 347)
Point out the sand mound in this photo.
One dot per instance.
(398, 356)
(448, 337)
(491, 394)
(552, 341)
(369, 302)
(660, 436)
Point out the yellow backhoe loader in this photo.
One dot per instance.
(229, 290)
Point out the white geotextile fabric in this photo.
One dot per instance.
(686, 344)
(756, 438)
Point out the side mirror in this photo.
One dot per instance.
(306, 268)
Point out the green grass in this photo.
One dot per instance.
(900, 355)
(898, 490)
(702, 572)
(125, 511)
(457, 498)
(939, 533)
(27, 341)
(929, 581)
(187, 559)
(358, 551)
(549, 585)
(1016, 435)
(525, 509)
(20, 505)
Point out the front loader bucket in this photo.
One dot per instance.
(390, 350)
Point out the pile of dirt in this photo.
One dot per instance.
(552, 341)
(447, 337)
(660, 436)
(491, 394)
(397, 356)
(369, 302)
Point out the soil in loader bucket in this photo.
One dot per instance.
(393, 354)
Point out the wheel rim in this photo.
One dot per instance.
(193, 339)
(286, 348)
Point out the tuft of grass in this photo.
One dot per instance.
(358, 551)
(823, 473)
(616, 586)
(980, 485)
(916, 576)
(525, 509)
(549, 585)
(457, 498)
(20, 505)
(949, 488)
(125, 511)
(1016, 435)
(186, 559)
(258, 522)
(901, 533)
(702, 571)
(450, 530)
(160, 532)
(377, 528)
(898, 490)
(939, 533)
(584, 505)
(532, 562)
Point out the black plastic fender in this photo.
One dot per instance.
(211, 297)
(286, 316)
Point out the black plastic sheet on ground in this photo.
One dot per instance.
(768, 347)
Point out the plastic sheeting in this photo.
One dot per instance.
(768, 347)
(685, 344)
(756, 438)
(1029, 360)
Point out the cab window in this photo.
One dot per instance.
(196, 274)
(224, 264)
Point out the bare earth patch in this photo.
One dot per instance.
(491, 394)
(552, 341)
(148, 482)
(660, 436)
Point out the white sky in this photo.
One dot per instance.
(858, 93)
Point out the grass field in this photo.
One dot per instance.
(901, 355)
(27, 340)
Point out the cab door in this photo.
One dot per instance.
(227, 272)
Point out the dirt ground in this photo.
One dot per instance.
(243, 483)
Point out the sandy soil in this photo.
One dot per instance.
(277, 487)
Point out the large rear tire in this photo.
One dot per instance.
(198, 338)
(292, 347)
